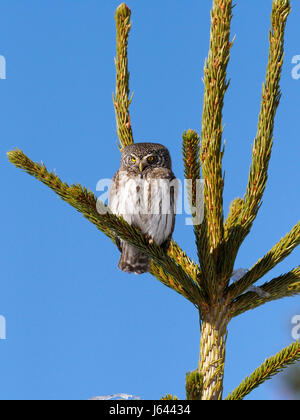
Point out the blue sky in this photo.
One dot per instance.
(76, 325)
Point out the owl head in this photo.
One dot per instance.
(142, 157)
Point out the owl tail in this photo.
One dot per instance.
(133, 260)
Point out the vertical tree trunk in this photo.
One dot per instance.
(212, 353)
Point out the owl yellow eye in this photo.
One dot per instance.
(133, 159)
(150, 159)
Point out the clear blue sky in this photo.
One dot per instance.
(76, 325)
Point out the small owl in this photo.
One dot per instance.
(144, 193)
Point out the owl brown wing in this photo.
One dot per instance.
(118, 243)
(112, 192)
(164, 173)
(166, 244)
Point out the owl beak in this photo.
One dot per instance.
(141, 166)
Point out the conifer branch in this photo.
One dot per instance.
(164, 268)
(211, 231)
(231, 242)
(169, 397)
(212, 125)
(237, 230)
(194, 385)
(121, 100)
(189, 266)
(133, 236)
(261, 150)
(269, 368)
(191, 160)
(279, 251)
(192, 172)
(83, 200)
(210, 234)
(233, 216)
(168, 280)
(278, 288)
(207, 263)
(212, 351)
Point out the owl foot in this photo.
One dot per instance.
(149, 239)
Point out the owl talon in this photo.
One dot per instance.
(149, 239)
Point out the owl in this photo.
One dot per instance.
(144, 193)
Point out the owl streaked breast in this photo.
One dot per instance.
(144, 193)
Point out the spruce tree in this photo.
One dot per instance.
(206, 283)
